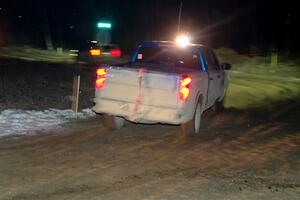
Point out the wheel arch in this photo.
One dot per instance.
(199, 98)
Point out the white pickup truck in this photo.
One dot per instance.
(163, 83)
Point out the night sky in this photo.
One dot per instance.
(243, 25)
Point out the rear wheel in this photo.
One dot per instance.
(193, 126)
(113, 122)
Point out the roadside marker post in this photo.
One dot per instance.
(75, 94)
(274, 58)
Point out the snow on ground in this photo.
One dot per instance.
(20, 122)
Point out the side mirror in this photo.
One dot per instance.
(226, 66)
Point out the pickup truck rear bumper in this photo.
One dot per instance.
(144, 113)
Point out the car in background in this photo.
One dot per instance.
(105, 50)
(95, 53)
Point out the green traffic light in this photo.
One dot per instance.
(104, 25)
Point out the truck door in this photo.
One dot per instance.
(213, 90)
(220, 76)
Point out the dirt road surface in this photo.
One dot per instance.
(251, 154)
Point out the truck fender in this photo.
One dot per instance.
(199, 98)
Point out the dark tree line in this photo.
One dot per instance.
(69, 24)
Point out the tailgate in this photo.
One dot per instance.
(155, 88)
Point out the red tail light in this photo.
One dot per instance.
(115, 52)
(101, 78)
(95, 52)
(184, 87)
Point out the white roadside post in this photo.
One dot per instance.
(75, 94)
(274, 58)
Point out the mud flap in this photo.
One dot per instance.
(112, 122)
(189, 128)
(186, 132)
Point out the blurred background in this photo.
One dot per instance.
(246, 26)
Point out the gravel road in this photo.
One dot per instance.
(238, 155)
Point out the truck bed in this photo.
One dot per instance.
(156, 88)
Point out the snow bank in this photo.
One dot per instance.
(20, 122)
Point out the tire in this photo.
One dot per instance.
(193, 126)
(113, 122)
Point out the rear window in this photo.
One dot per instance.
(171, 56)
